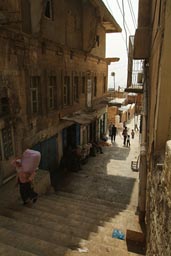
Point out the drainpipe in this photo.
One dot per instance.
(143, 158)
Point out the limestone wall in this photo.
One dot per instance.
(159, 208)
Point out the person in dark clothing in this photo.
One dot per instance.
(132, 134)
(125, 134)
(128, 141)
(97, 147)
(113, 133)
(25, 179)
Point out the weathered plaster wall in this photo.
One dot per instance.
(22, 58)
(159, 222)
(158, 208)
(164, 88)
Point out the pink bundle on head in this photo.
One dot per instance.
(30, 160)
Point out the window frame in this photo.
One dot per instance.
(95, 86)
(66, 91)
(50, 7)
(52, 88)
(76, 88)
(34, 94)
(5, 143)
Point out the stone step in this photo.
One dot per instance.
(101, 251)
(67, 208)
(77, 215)
(63, 232)
(93, 208)
(43, 234)
(100, 203)
(30, 244)
(91, 203)
(60, 238)
(78, 206)
(47, 214)
(83, 216)
(108, 252)
(7, 250)
(66, 231)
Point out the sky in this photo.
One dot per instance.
(116, 42)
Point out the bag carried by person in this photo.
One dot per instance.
(30, 160)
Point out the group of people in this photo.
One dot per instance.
(126, 136)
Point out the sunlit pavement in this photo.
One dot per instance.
(109, 176)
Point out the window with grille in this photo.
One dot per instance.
(0, 146)
(4, 106)
(97, 40)
(75, 88)
(95, 86)
(104, 84)
(83, 84)
(52, 97)
(34, 90)
(7, 142)
(66, 91)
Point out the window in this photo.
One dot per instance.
(0, 147)
(34, 90)
(83, 85)
(52, 92)
(104, 84)
(48, 9)
(7, 142)
(95, 86)
(75, 89)
(4, 106)
(97, 40)
(66, 90)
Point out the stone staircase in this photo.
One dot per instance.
(64, 224)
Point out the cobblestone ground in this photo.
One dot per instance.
(109, 176)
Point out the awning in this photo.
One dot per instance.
(81, 118)
(113, 59)
(86, 117)
(117, 101)
(125, 108)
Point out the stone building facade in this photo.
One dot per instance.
(53, 76)
(152, 44)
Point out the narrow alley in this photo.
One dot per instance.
(109, 176)
(83, 214)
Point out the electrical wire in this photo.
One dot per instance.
(132, 13)
(108, 6)
(123, 9)
(122, 16)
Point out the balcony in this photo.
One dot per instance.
(142, 43)
(135, 89)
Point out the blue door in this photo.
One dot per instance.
(71, 136)
(48, 150)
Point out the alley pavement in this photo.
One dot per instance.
(83, 215)
(109, 176)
